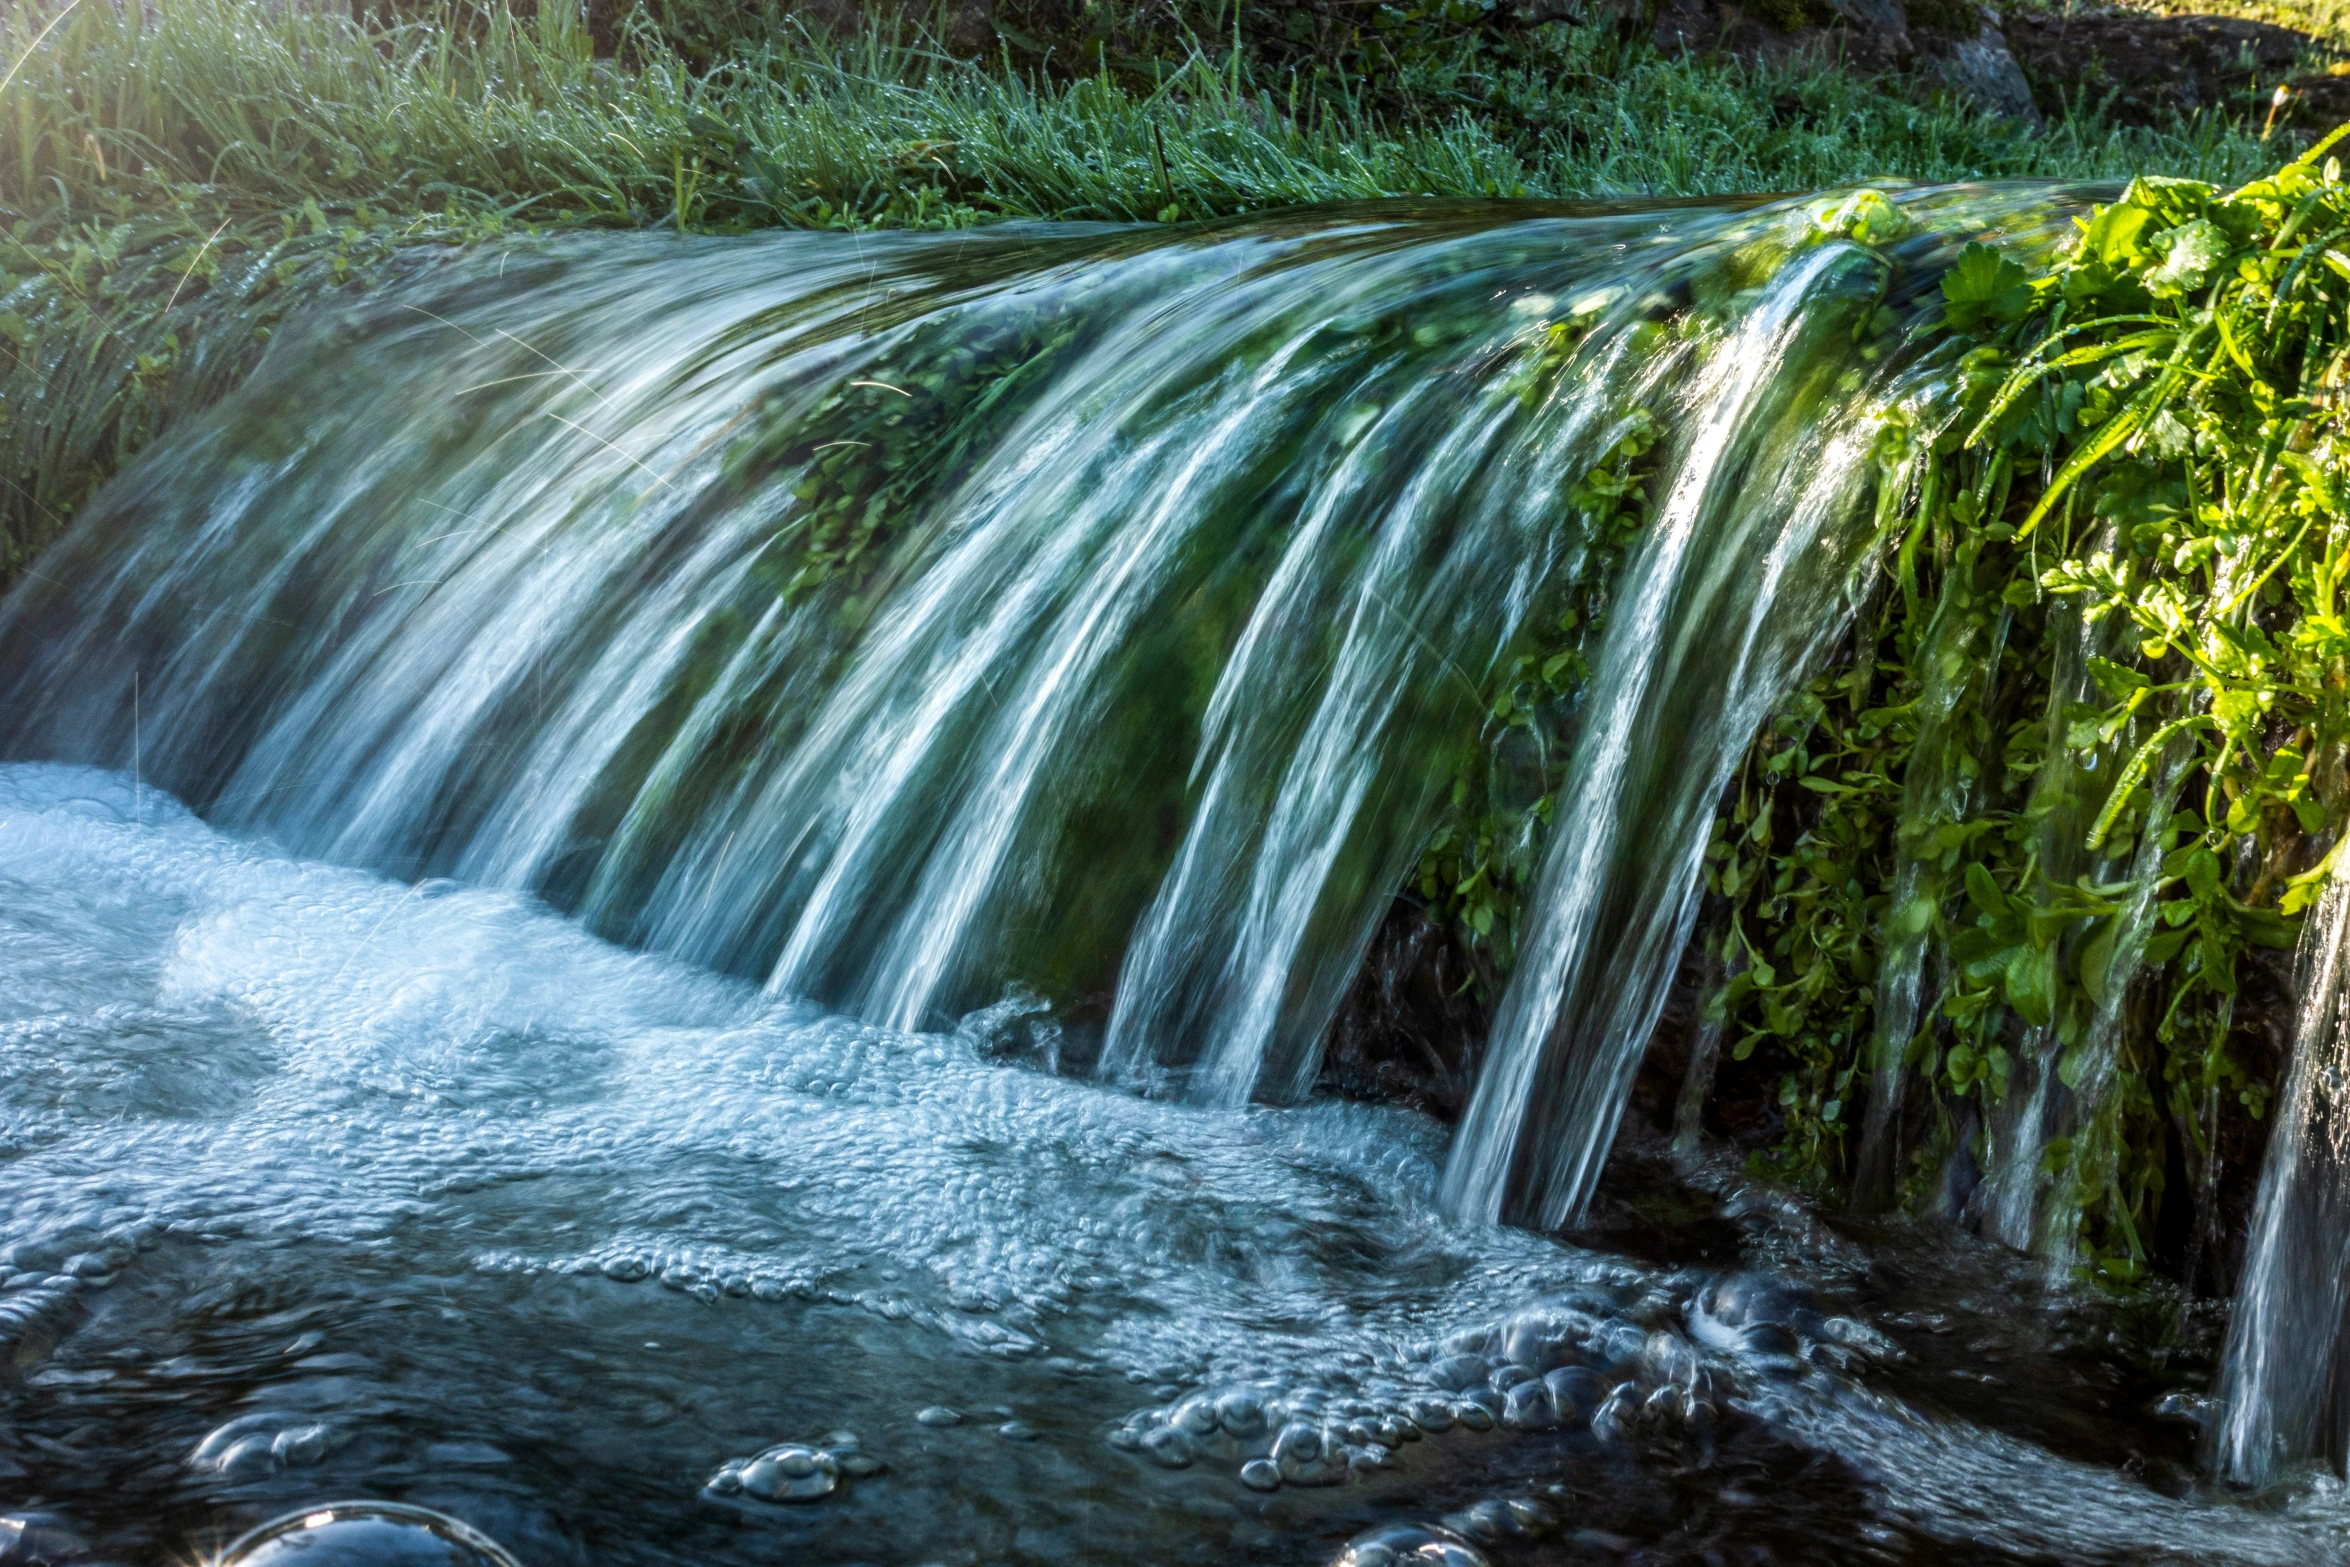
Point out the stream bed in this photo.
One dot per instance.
(317, 1184)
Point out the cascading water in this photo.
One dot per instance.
(898, 622)
(941, 657)
(1738, 584)
(2282, 1387)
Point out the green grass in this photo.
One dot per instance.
(174, 175)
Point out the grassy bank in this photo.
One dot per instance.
(174, 176)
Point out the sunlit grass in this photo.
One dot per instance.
(174, 174)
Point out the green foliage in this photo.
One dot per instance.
(2129, 689)
(907, 428)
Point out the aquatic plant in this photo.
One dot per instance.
(2085, 761)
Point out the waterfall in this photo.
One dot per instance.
(1744, 577)
(904, 622)
(2015, 1182)
(2282, 1379)
(1961, 648)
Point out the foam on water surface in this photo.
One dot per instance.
(317, 1183)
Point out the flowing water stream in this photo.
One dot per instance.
(647, 848)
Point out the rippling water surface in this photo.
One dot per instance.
(313, 1184)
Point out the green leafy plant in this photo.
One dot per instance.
(2107, 675)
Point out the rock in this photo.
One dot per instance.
(1952, 46)
(2146, 69)
(1981, 70)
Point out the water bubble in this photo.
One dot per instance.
(1458, 1373)
(1574, 1392)
(1533, 1517)
(939, 1415)
(1618, 1414)
(1195, 1416)
(1667, 1357)
(1507, 1376)
(1742, 1300)
(1409, 1545)
(1241, 1414)
(1617, 1345)
(789, 1472)
(1430, 1415)
(366, 1534)
(299, 1445)
(1305, 1455)
(1297, 1443)
(1541, 1339)
(38, 1540)
(1167, 1447)
(1665, 1404)
(257, 1443)
(1528, 1408)
(1016, 1431)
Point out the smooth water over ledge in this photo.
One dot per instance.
(1121, 614)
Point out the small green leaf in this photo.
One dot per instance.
(1984, 287)
(2189, 252)
(1983, 892)
(2030, 984)
(2118, 681)
(2095, 965)
(2202, 873)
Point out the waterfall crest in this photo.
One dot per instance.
(902, 621)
